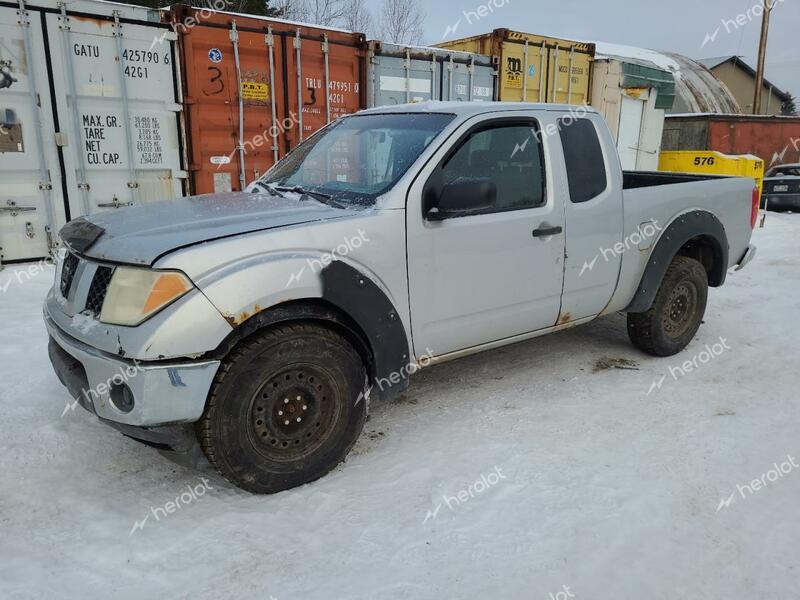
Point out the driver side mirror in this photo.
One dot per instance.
(463, 197)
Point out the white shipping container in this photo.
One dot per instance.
(90, 116)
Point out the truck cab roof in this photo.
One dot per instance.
(468, 109)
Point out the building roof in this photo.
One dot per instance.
(713, 63)
(697, 90)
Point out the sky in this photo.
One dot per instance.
(678, 26)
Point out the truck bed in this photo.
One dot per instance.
(639, 179)
(654, 197)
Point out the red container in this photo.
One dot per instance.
(255, 87)
(774, 139)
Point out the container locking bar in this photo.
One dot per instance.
(555, 76)
(66, 47)
(299, 65)
(123, 84)
(327, 79)
(542, 58)
(270, 39)
(525, 74)
(433, 77)
(234, 35)
(407, 65)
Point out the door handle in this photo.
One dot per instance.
(547, 231)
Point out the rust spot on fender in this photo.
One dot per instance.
(235, 320)
(564, 319)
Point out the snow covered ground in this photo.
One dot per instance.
(532, 472)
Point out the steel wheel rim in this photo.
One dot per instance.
(681, 309)
(294, 412)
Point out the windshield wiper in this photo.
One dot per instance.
(271, 190)
(319, 196)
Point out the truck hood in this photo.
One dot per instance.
(142, 234)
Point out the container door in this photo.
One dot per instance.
(651, 134)
(523, 72)
(315, 65)
(31, 203)
(236, 121)
(397, 80)
(569, 77)
(117, 110)
(630, 127)
(230, 71)
(464, 82)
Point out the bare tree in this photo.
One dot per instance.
(325, 13)
(401, 21)
(357, 17)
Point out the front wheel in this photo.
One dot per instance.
(677, 311)
(284, 408)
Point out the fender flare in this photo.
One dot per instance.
(685, 227)
(363, 301)
(358, 308)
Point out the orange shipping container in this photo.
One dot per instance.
(255, 87)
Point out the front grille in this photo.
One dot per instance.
(68, 273)
(98, 289)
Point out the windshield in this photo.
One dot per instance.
(357, 158)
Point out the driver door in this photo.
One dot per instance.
(490, 276)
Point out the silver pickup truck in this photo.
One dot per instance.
(260, 325)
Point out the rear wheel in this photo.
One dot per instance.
(284, 408)
(676, 313)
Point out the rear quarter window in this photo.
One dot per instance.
(586, 167)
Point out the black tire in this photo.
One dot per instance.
(676, 313)
(284, 408)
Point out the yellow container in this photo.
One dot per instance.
(534, 68)
(713, 163)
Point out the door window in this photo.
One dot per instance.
(510, 156)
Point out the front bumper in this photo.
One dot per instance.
(164, 393)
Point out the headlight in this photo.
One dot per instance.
(134, 294)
